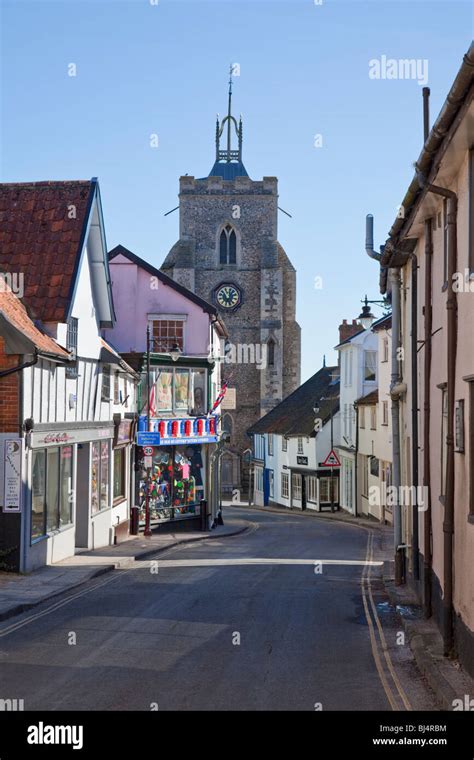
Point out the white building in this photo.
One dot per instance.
(292, 443)
(73, 404)
(358, 366)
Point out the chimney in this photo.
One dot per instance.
(347, 330)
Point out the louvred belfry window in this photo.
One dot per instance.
(228, 246)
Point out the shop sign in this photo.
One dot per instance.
(12, 476)
(41, 438)
(123, 432)
(301, 460)
(189, 441)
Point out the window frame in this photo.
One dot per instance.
(300, 446)
(118, 498)
(227, 233)
(284, 485)
(59, 526)
(179, 340)
(72, 332)
(105, 389)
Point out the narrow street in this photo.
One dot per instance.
(247, 623)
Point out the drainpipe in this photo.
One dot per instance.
(451, 308)
(396, 390)
(414, 412)
(427, 555)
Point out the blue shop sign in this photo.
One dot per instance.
(148, 439)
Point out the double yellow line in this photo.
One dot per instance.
(393, 689)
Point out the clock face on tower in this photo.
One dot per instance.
(228, 296)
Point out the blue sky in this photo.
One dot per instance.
(304, 70)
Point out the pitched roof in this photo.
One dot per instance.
(369, 399)
(40, 240)
(20, 333)
(384, 323)
(295, 414)
(120, 250)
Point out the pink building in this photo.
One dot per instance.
(182, 431)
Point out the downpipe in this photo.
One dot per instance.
(451, 308)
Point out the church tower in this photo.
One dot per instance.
(228, 253)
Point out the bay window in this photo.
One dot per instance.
(180, 390)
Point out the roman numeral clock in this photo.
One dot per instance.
(228, 296)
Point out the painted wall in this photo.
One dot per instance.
(138, 294)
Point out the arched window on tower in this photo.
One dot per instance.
(271, 352)
(228, 246)
(227, 424)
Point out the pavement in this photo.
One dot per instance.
(21, 592)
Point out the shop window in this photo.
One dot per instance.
(176, 483)
(38, 495)
(166, 334)
(296, 486)
(119, 474)
(182, 391)
(312, 488)
(284, 485)
(259, 479)
(105, 393)
(52, 492)
(325, 490)
(99, 476)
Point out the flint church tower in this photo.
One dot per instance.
(228, 253)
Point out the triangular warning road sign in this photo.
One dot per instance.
(331, 460)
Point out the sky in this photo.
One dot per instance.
(341, 142)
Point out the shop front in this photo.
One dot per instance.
(174, 469)
(68, 491)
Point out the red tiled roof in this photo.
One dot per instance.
(12, 309)
(39, 239)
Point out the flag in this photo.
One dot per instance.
(220, 396)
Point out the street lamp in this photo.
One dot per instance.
(366, 317)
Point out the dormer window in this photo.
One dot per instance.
(228, 246)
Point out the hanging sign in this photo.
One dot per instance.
(331, 460)
(12, 476)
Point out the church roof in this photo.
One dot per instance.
(228, 169)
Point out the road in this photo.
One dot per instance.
(250, 622)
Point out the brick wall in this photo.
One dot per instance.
(9, 392)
